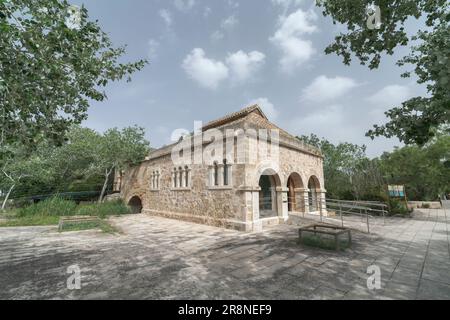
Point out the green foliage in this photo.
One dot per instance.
(323, 242)
(30, 221)
(51, 69)
(349, 175)
(398, 207)
(422, 169)
(80, 226)
(417, 120)
(102, 210)
(85, 162)
(54, 206)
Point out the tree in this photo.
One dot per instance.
(119, 149)
(18, 167)
(418, 119)
(53, 61)
(423, 170)
(85, 161)
(341, 162)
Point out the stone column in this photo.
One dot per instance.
(211, 176)
(322, 198)
(250, 209)
(305, 195)
(282, 203)
(299, 200)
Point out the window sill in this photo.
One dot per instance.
(218, 188)
(181, 189)
(155, 190)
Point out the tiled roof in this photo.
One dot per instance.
(233, 116)
(239, 116)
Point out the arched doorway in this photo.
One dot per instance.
(295, 203)
(313, 198)
(135, 204)
(268, 203)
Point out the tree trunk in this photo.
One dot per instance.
(7, 196)
(105, 184)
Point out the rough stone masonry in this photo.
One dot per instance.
(245, 191)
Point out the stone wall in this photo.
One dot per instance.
(236, 205)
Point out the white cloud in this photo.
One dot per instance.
(229, 23)
(322, 122)
(184, 5)
(387, 98)
(166, 15)
(207, 12)
(286, 3)
(267, 107)
(233, 4)
(296, 50)
(153, 46)
(243, 66)
(207, 72)
(390, 96)
(217, 35)
(324, 88)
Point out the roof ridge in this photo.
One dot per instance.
(243, 112)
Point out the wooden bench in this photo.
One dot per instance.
(76, 219)
(331, 230)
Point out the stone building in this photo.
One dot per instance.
(264, 176)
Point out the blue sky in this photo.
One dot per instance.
(210, 57)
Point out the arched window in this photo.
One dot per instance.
(174, 178)
(216, 174)
(187, 177)
(154, 180)
(180, 177)
(225, 173)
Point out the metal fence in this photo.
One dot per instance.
(361, 215)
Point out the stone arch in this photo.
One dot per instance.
(269, 182)
(135, 203)
(314, 193)
(295, 193)
(269, 168)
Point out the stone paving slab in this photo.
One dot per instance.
(157, 258)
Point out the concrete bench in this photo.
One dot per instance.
(330, 230)
(76, 219)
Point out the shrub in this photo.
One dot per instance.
(425, 206)
(54, 206)
(398, 207)
(111, 208)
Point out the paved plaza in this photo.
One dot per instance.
(157, 258)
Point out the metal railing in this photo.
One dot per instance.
(354, 214)
(366, 210)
